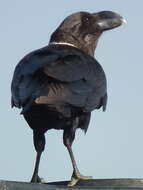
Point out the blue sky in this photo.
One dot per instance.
(112, 147)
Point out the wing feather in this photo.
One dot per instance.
(81, 76)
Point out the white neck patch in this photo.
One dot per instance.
(62, 43)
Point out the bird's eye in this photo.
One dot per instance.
(87, 19)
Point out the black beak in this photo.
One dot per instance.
(106, 20)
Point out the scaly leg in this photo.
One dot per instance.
(68, 137)
(39, 143)
(76, 176)
(35, 177)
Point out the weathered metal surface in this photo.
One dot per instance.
(95, 184)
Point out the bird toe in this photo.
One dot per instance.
(78, 177)
(37, 179)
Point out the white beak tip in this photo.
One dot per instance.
(124, 21)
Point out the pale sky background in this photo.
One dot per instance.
(113, 145)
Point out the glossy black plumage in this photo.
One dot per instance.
(59, 85)
(60, 74)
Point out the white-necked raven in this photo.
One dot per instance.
(59, 85)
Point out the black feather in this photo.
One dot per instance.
(58, 86)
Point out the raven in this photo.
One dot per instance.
(58, 86)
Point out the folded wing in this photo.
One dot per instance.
(59, 76)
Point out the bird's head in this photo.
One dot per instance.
(83, 29)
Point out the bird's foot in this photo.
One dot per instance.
(76, 177)
(37, 179)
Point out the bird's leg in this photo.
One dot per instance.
(35, 177)
(76, 176)
(68, 138)
(39, 143)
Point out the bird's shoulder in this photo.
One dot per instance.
(63, 62)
